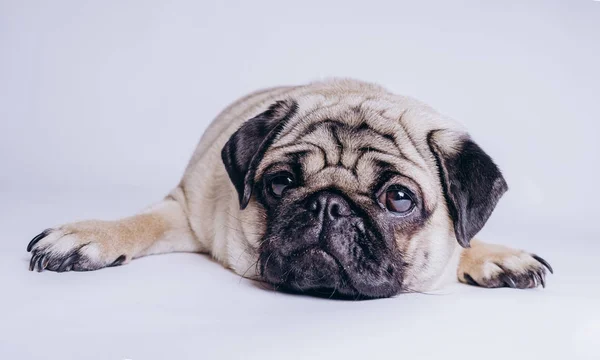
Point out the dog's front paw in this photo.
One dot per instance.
(78, 247)
(495, 266)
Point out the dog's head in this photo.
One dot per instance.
(361, 197)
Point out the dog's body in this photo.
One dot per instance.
(333, 139)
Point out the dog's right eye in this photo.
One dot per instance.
(397, 200)
(279, 182)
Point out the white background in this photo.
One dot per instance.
(103, 102)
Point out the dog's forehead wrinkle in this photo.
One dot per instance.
(337, 107)
(349, 128)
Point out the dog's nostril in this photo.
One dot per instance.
(334, 210)
(337, 208)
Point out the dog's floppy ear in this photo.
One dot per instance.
(472, 183)
(246, 147)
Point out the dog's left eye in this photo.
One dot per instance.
(397, 200)
(279, 182)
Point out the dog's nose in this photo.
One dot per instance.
(331, 205)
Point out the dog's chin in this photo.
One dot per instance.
(314, 271)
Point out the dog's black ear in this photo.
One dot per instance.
(472, 183)
(246, 147)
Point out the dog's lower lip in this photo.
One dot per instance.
(301, 275)
(318, 249)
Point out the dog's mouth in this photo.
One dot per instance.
(329, 251)
(313, 271)
(309, 270)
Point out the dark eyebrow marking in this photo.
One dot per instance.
(386, 166)
(388, 172)
(307, 143)
(367, 149)
(292, 161)
(383, 179)
(365, 127)
(294, 158)
(287, 160)
(323, 123)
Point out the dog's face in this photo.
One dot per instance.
(358, 198)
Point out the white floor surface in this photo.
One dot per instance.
(182, 306)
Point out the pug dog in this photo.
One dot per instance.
(334, 187)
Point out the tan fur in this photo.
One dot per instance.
(202, 214)
(160, 229)
(487, 263)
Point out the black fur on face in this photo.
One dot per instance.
(328, 244)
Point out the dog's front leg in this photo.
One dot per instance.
(491, 266)
(94, 244)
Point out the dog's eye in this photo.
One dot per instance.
(397, 199)
(279, 182)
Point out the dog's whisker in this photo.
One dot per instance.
(243, 276)
(412, 291)
(333, 292)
